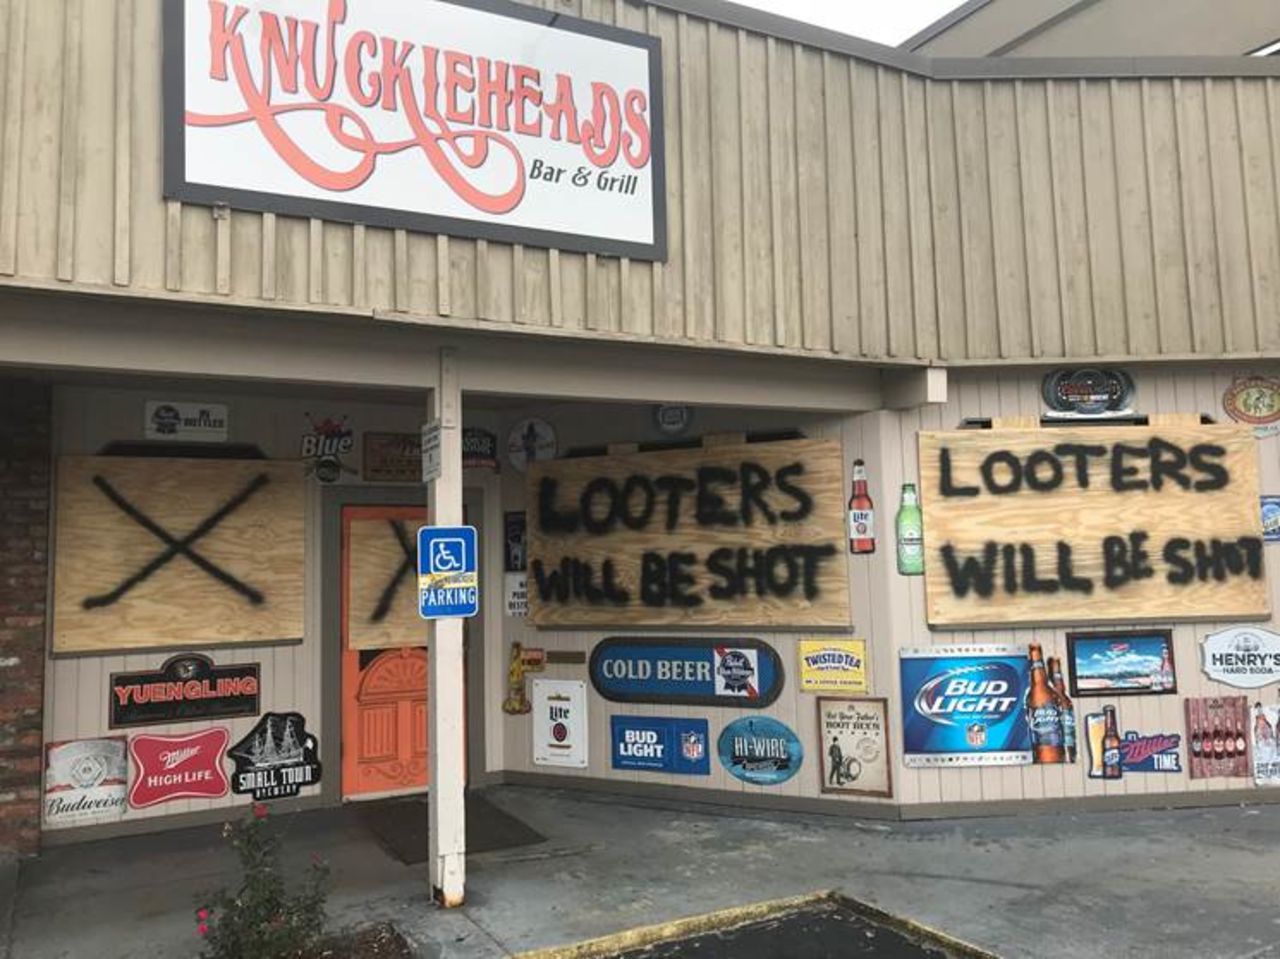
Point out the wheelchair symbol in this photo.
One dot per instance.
(448, 556)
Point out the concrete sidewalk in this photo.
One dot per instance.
(1186, 884)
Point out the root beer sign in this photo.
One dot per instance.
(748, 534)
(1099, 524)
(471, 117)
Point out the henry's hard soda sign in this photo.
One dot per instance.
(964, 706)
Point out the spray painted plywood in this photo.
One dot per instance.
(380, 602)
(1092, 524)
(173, 552)
(744, 534)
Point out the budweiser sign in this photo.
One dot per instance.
(483, 119)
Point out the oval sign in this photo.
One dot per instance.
(760, 750)
(687, 672)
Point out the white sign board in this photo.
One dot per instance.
(84, 781)
(516, 594)
(560, 723)
(432, 460)
(468, 117)
(188, 422)
(1243, 656)
(1264, 723)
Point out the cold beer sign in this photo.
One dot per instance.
(1096, 524)
(472, 117)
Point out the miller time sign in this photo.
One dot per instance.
(473, 117)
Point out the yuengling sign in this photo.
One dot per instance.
(474, 117)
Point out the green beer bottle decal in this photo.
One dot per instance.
(910, 533)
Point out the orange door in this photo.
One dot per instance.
(384, 676)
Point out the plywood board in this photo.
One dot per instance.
(790, 523)
(380, 600)
(1173, 505)
(113, 589)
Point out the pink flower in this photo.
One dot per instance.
(202, 914)
(260, 810)
(203, 929)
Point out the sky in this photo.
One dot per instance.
(885, 21)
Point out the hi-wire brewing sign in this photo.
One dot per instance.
(473, 117)
(1099, 524)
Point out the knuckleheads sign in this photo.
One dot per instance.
(745, 534)
(470, 118)
(687, 672)
(760, 750)
(276, 759)
(1246, 657)
(964, 706)
(1096, 524)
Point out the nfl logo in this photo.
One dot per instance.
(692, 746)
(976, 735)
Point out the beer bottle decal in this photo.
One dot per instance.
(1164, 678)
(1111, 768)
(1219, 746)
(1195, 742)
(1044, 716)
(1241, 746)
(1066, 707)
(862, 528)
(910, 530)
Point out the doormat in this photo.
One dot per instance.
(400, 826)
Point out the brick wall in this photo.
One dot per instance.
(24, 566)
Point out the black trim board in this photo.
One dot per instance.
(176, 186)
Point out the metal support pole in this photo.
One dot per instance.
(445, 694)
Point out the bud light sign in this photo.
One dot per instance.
(964, 706)
(687, 672)
(657, 744)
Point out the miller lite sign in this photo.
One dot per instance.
(965, 706)
(477, 118)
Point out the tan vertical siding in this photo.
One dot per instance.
(816, 202)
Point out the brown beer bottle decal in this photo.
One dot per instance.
(1065, 706)
(862, 528)
(1111, 768)
(1044, 713)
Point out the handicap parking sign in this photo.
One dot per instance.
(448, 577)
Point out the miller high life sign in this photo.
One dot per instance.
(484, 119)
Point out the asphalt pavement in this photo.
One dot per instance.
(1173, 884)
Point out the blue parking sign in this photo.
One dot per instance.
(448, 577)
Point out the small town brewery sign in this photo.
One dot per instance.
(483, 119)
(745, 534)
(276, 759)
(1097, 524)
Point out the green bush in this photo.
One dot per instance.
(263, 918)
